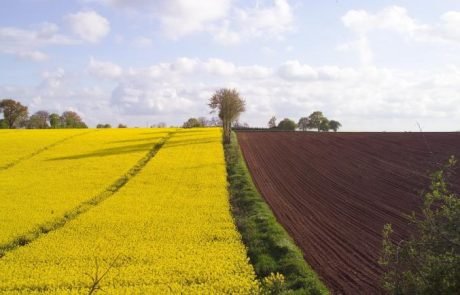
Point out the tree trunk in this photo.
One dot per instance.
(227, 132)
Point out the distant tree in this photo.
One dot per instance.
(122, 126)
(55, 120)
(428, 262)
(39, 120)
(324, 126)
(161, 125)
(303, 123)
(70, 119)
(272, 122)
(315, 119)
(215, 121)
(230, 106)
(287, 124)
(103, 126)
(3, 124)
(14, 113)
(334, 125)
(203, 121)
(192, 123)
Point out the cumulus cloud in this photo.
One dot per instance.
(225, 21)
(362, 98)
(274, 20)
(104, 69)
(89, 25)
(26, 43)
(397, 20)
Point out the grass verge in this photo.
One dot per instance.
(270, 248)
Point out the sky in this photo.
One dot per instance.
(372, 65)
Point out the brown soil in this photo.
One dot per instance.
(333, 192)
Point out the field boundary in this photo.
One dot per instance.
(269, 246)
(41, 150)
(85, 206)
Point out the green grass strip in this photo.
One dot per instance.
(270, 248)
(83, 207)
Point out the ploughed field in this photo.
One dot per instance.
(334, 192)
(121, 211)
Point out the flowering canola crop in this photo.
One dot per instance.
(167, 231)
(17, 144)
(42, 188)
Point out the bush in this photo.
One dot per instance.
(428, 262)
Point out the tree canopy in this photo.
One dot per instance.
(192, 123)
(334, 125)
(14, 113)
(229, 105)
(287, 124)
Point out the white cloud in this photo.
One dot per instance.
(182, 17)
(25, 43)
(89, 25)
(396, 19)
(227, 22)
(220, 67)
(103, 69)
(293, 70)
(362, 98)
(273, 20)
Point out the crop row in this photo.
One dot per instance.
(42, 188)
(168, 230)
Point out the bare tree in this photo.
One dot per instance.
(272, 122)
(230, 106)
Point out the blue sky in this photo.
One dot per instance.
(372, 65)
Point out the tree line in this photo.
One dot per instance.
(315, 120)
(16, 115)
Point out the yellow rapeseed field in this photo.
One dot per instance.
(43, 187)
(167, 231)
(17, 144)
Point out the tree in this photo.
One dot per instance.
(334, 125)
(230, 106)
(203, 121)
(14, 113)
(315, 120)
(3, 124)
(428, 262)
(272, 122)
(122, 126)
(287, 124)
(39, 120)
(303, 123)
(215, 121)
(55, 120)
(324, 125)
(70, 119)
(192, 123)
(103, 126)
